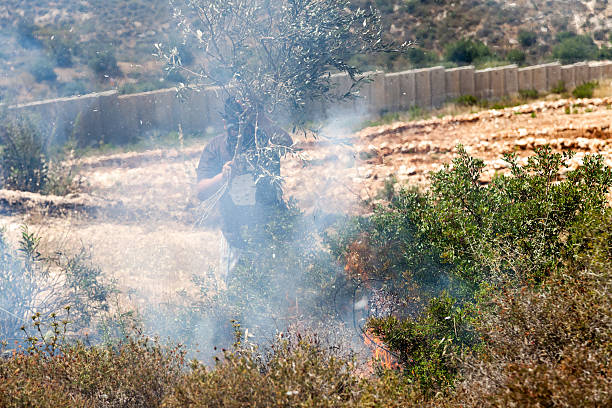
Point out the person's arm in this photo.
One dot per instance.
(208, 186)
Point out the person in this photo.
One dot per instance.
(243, 164)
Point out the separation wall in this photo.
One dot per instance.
(108, 117)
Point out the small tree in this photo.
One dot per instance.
(574, 48)
(466, 51)
(23, 154)
(104, 64)
(527, 38)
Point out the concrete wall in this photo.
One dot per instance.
(112, 118)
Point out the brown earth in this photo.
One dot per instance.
(139, 212)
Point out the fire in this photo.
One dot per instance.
(379, 353)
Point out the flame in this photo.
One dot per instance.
(379, 353)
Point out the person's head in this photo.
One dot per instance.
(235, 119)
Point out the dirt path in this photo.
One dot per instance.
(152, 248)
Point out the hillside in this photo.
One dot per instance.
(435, 23)
(68, 47)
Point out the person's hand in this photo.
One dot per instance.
(227, 170)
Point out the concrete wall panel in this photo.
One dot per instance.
(553, 75)
(468, 85)
(393, 92)
(407, 89)
(373, 93)
(498, 82)
(438, 87)
(511, 80)
(423, 87)
(452, 81)
(525, 79)
(582, 73)
(596, 71)
(568, 76)
(540, 82)
(607, 69)
(482, 83)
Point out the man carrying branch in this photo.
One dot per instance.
(273, 63)
(241, 169)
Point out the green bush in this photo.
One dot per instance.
(31, 283)
(428, 346)
(23, 154)
(476, 241)
(467, 100)
(132, 88)
(42, 70)
(60, 45)
(527, 38)
(104, 64)
(516, 56)
(419, 57)
(585, 90)
(514, 227)
(574, 48)
(559, 87)
(529, 93)
(26, 33)
(605, 53)
(466, 51)
(281, 266)
(551, 343)
(77, 87)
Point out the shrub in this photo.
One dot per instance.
(42, 70)
(467, 100)
(491, 233)
(552, 343)
(466, 51)
(246, 377)
(585, 90)
(131, 87)
(61, 46)
(104, 64)
(186, 54)
(527, 38)
(297, 371)
(428, 346)
(605, 53)
(281, 270)
(23, 154)
(559, 87)
(476, 241)
(77, 87)
(574, 48)
(419, 57)
(516, 56)
(31, 284)
(529, 93)
(26, 33)
(136, 373)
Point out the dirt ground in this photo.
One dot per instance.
(152, 247)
